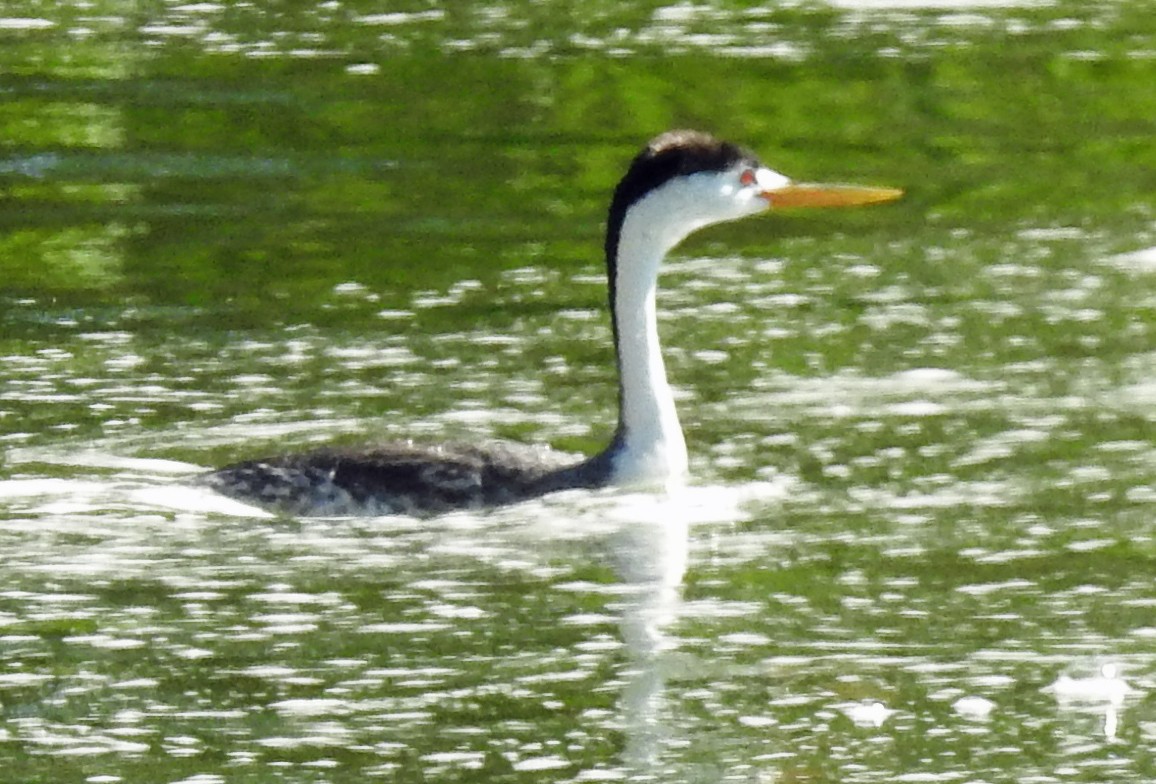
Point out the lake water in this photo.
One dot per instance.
(920, 545)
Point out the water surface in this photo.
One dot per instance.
(919, 546)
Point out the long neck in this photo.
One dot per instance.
(649, 445)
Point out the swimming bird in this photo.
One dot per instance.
(681, 181)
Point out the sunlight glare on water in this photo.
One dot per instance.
(918, 542)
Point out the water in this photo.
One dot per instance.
(919, 546)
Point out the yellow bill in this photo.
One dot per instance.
(810, 194)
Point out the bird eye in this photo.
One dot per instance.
(748, 178)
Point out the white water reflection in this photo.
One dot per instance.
(652, 558)
(764, 650)
(1104, 693)
(974, 707)
(954, 427)
(1105, 687)
(919, 594)
(866, 714)
(317, 33)
(1140, 261)
(913, 5)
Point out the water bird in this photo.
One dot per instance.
(680, 182)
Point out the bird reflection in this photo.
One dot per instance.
(651, 560)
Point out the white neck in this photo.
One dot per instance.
(651, 447)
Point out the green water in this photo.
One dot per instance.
(921, 434)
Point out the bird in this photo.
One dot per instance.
(681, 181)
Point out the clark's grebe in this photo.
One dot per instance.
(681, 182)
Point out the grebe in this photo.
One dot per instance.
(680, 182)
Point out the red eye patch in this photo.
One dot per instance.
(748, 177)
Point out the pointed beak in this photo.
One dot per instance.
(810, 194)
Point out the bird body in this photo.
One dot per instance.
(680, 182)
(420, 479)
